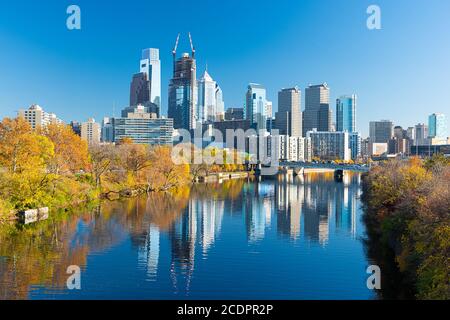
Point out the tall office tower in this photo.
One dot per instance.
(437, 126)
(346, 113)
(140, 89)
(145, 86)
(183, 90)
(37, 117)
(316, 113)
(91, 131)
(411, 133)
(255, 106)
(206, 107)
(421, 134)
(107, 130)
(151, 65)
(288, 119)
(325, 118)
(220, 104)
(381, 131)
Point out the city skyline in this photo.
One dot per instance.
(374, 68)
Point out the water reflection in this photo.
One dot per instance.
(173, 235)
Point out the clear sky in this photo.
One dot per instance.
(401, 72)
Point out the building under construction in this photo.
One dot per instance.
(183, 89)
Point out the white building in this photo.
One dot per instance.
(330, 145)
(210, 106)
(299, 149)
(91, 131)
(37, 117)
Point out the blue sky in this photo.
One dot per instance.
(401, 72)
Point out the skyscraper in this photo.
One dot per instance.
(183, 90)
(381, 131)
(220, 104)
(317, 113)
(151, 65)
(437, 126)
(206, 98)
(288, 119)
(255, 106)
(346, 113)
(145, 86)
(421, 130)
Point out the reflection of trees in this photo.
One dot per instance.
(38, 255)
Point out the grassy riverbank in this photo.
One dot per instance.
(408, 213)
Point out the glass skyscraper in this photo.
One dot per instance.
(255, 106)
(346, 113)
(183, 93)
(317, 114)
(437, 126)
(151, 65)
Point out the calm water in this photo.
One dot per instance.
(276, 239)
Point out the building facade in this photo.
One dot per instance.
(143, 128)
(437, 126)
(346, 113)
(183, 92)
(255, 106)
(37, 117)
(327, 145)
(317, 112)
(91, 131)
(288, 118)
(381, 131)
(151, 66)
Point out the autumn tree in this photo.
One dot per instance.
(71, 153)
(103, 158)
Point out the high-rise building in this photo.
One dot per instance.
(437, 126)
(421, 131)
(91, 131)
(269, 109)
(183, 91)
(37, 117)
(220, 104)
(145, 86)
(210, 106)
(288, 118)
(317, 114)
(255, 106)
(143, 127)
(107, 130)
(381, 131)
(346, 113)
(151, 65)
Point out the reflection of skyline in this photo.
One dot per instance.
(312, 208)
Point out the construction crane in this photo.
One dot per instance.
(192, 46)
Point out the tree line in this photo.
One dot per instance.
(408, 213)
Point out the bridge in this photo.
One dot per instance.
(330, 166)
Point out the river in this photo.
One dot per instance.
(284, 238)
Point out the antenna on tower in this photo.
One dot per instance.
(192, 46)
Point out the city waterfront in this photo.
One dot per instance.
(286, 238)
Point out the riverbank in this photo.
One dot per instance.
(407, 215)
